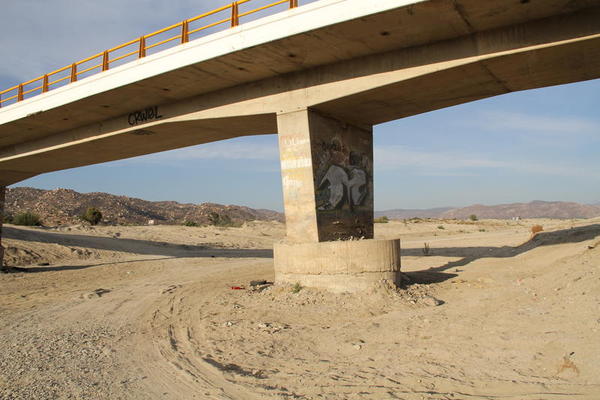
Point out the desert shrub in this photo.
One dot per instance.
(27, 219)
(92, 215)
(426, 249)
(189, 223)
(381, 220)
(536, 229)
(217, 219)
(473, 217)
(441, 227)
(7, 219)
(296, 288)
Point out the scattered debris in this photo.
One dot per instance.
(568, 364)
(271, 328)
(96, 293)
(169, 289)
(259, 286)
(237, 288)
(258, 283)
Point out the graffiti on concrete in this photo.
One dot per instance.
(343, 176)
(149, 114)
(352, 184)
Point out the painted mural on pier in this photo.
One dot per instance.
(343, 162)
(343, 176)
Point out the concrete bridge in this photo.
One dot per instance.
(321, 76)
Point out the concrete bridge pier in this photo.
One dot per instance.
(327, 173)
(2, 196)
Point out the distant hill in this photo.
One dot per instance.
(64, 206)
(417, 213)
(534, 209)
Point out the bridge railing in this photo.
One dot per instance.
(230, 15)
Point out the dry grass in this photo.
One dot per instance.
(535, 230)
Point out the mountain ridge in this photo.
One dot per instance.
(533, 209)
(64, 206)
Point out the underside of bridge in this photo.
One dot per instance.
(322, 91)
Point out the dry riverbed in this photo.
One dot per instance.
(150, 313)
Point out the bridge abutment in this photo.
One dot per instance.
(327, 173)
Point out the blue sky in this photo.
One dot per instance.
(536, 145)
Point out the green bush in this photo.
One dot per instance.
(381, 220)
(189, 223)
(92, 215)
(222, 220)
(441, 227)
(7, 219)
(473, 217)
(27, 219)
(297, 287)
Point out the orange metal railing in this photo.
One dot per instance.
(134, 48)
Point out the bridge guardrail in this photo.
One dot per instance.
(137, 48)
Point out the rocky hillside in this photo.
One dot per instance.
(534, 209)
(64, 206)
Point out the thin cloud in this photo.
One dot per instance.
(386, 158)
(216, 151)
(538, 124)
(454, 164)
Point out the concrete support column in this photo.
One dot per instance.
(327, 173)
(2, 195)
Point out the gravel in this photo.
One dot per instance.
(56, 363)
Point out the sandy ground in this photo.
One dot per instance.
(149, 313)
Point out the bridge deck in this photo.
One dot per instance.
(176, 98)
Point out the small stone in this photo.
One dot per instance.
(357, 346)
(432, 301)
(258, 373)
